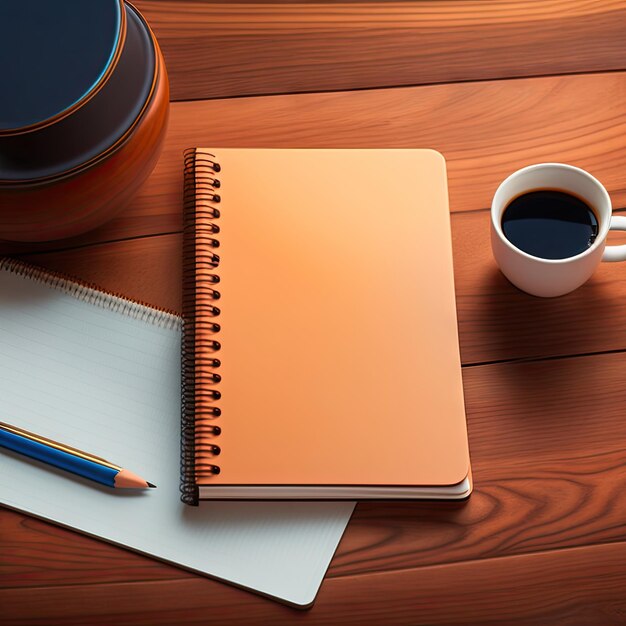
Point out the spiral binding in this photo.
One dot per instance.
(89, 292)
(198, 447)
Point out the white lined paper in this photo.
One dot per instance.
(109, 383)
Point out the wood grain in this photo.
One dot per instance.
(220, 49)
(582, 586)
(485, 131)
(546, 436)
(559, 503)
(496, 321)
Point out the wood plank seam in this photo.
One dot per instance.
(93, 244)
(443, 83)
(556, 357)
(392, 571)
(298, 47)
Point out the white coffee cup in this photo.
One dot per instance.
(554, 277)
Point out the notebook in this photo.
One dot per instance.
(321, 355)
(102, 374)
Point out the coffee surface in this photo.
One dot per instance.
(550, 224)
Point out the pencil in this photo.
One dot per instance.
(69, 459)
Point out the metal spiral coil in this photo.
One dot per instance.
(199, 326)
(88, 292)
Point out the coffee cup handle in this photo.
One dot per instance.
(616, 253)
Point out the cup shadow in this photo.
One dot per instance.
(506, 324)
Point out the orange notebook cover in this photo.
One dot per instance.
(320, 351)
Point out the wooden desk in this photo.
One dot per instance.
(493, 85)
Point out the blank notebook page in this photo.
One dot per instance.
(89, 370)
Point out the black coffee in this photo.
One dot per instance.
(550, 224)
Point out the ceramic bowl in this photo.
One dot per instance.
(83, 114)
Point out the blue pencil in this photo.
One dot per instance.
(69, 459)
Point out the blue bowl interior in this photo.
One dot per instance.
(52, 54)
(94, 127)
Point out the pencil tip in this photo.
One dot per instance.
(151, 485)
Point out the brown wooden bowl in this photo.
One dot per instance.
(75, 169)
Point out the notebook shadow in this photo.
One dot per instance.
(261, 516)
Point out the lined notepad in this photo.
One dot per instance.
(101, 374)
